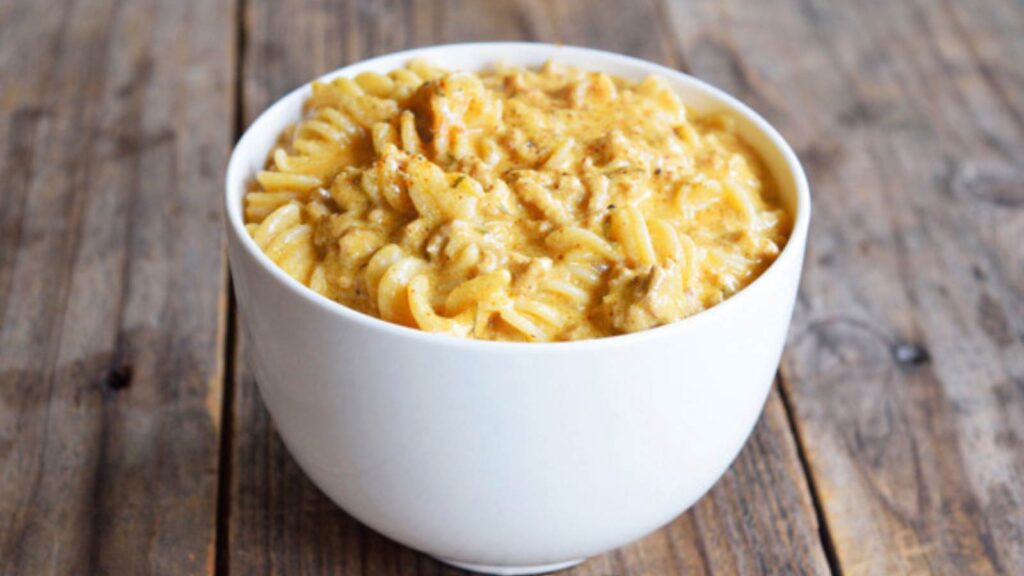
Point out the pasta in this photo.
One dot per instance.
(515, 204)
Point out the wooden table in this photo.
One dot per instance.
(132, 439)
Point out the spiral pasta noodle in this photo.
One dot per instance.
(514, 204)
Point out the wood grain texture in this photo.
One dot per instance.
(113, 135)
(904, 377)
(905, 367)
(758, 520)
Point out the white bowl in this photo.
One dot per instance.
(513, 458)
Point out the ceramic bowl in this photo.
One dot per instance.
(513, 458)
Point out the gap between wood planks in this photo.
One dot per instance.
(223, 525)
(827, 544)
(222, 533)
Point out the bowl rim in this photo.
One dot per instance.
(801, 222)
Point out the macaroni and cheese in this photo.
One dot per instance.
(515, 204)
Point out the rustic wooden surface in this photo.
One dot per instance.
(114, 135)
(894, 445)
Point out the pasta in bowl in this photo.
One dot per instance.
(473, 443)
(515, 204)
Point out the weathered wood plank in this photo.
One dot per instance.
(113, 132)
(758, 519)
(906, 364)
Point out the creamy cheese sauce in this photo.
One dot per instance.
(515, 204)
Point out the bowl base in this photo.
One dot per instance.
(512, 570)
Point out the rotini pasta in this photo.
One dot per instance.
(514, 204)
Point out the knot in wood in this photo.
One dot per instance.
(910, 355)
(118, 379)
